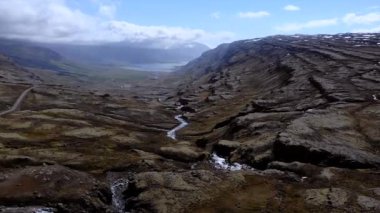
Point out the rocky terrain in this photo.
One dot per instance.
(278, 124)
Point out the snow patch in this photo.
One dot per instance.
(253, 40)
(368, 36)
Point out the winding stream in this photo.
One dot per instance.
(120, 185)
(217, 161)
(171, 134)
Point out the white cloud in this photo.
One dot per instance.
(292, 27)
(54, 21)
(138, 33)
(215, 15)
(367, 30)
(369, 18)
(291, 8)
(258, 14)
(107, 11)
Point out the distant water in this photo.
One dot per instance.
(156, 67)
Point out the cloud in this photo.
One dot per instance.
(107, 11)
(291, 8)
(367, 30)
(215, 15)
(251, 15)
(292, 27)
(138, 33)
(40, 19)
(55, 21)
(369, 18)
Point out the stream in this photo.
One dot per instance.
(171, 133)
(117, 188)
(221, 163)
(120, 185)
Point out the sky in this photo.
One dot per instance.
(169, 22)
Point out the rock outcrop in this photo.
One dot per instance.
(291, 98)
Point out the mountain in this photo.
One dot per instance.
(277, 124)
(303, 109)
(127, 53)
(61, 57)
(30, 54)
(289, 98)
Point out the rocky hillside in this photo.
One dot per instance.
(291, 103)
(311, 99)
(31, 55)
(278, 124)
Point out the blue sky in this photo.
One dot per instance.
(170, 21)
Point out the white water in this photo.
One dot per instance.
(374, 97)
(44, 210)
(171, 134)
(221, 163)
(117, 189)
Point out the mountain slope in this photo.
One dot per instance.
(311, 99)
(124, 53)
(30, 55)
(61, 57)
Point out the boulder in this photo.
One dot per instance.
(188, 109)
(213, 98)
(177, 191)
(14, 161)
(183, 152)
(54, 186)
(368, 203)
(334, 197)
(225, 147)
(325, 138)
(256, 152)
(296, 167)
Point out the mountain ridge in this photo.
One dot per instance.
(122, 54)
